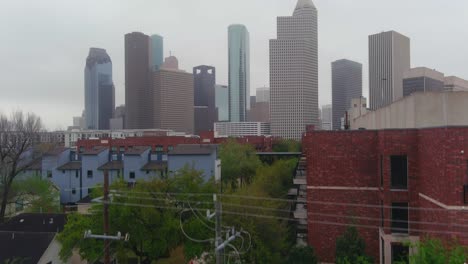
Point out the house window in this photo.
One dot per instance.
(400, 218)
(132, 175)
(77, 174)
(63, 171)
(113, 148)
(399, 172)
(90, 173)
(73, 191)
(159, 148)
(122, 149)
(400, 253)
(49, 174)
(170, 148)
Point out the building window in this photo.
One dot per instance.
(132, 175)
(90, 174)
(400, 218)
(400, 253)
(399, 172)
(122, 149)
(63, 171)
(77, 174)
(159, 148)
(113, 148)
(170, 148)
(73, 191)
(49, 174)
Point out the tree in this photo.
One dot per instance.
(18, 135)
(287, 145)
(36, 194)
(433, 251)
(302, 255)
(350, 248)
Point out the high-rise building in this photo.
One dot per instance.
(157, 48)
(99, 89)
(327, 117)
(204, 78)
(138, 90)
(346, 85)
(222, 102)
(260, 109)
(263, 94)
(170, 62)
(422, 79)
(253, 100)
(239, 72)
(389, 58)
(172, 97)
(294, 73)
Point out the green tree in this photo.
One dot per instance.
(302, 255)
(37, 195)
(287, 145)
(433, 251)
(350, 248)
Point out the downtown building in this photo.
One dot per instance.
(239, 72)
(327, 117)
(204, 78)
(240, 129)
(389, 59)
(260, 107)
(294, 73)
(422, 79)
(346, 85)
(222, 102)
(99, 90)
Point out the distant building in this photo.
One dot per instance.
(327, 116)
(138, 90)
(79, 121)
(202, 158)
(118, 122)
(222, 102)
(263, 95)
(204, 78)
(260, 109)
(239, 72)
(157, 52)
(422, 79)
(453, 83)
(253, 100)
(238, 129)
(389, 59)
(173, 99)
(99, 89)
(170, 63)
(346, 85)
(294, 73)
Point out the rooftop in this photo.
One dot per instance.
(94, 151)
(26, 247)
(137, 150)
(112, 165)
(194, 149)
(35, 222)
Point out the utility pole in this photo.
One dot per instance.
(218, 239)
(106, 217)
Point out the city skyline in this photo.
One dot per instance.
(59, 73)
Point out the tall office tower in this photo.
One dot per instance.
(157, 48)
(173, 99)
(389, 58)
(263, 94)
(422, 79)
(294, 73)
(327, 117)
(204, 78)
(99, 89)
(170, 62)
(138, 90)
(222, 102)
(346, 85)
(239, 72)
(260, 110)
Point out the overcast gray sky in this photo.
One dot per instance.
(44, 43)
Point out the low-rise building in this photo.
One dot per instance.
(239, 129)
(203, 158)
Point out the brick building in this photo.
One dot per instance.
(393, 185)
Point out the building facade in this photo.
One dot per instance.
(203, 158)
(453, 83)
(422, 79)
(173, 100)
(239, 72)
(138, 90)
(157, 51)
(99, 89)
(204, 78)
(262, 95)
(327, 117)
(239, 129)
(222, 102)
(294, 73)
(389, 59)
(346, 85)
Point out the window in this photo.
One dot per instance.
(49, 174)
(400, 218)
(77, 174)
(399, 172)
(90, 173)
(170, 148)
(122, 149)
(159, 148)
(113, 148)
(400, 253)
(132, 175)
(73, 191)
(63, 171)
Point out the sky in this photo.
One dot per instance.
(44, 44)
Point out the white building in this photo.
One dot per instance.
(294, 73)
(262, 95)
(453, 83)
(326, 117)
(389, 59)
(239, 129)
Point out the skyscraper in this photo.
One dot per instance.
(222, 102)
(260, 109)
(239, 72)
(327, 117)
(99, 89)
(389, 58)
(157, 48)
(263, 94)
(294, 73)
(138, 90)
(346, 85)
(204, 78)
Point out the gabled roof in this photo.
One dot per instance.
(32, 222)
(35, 165)
(94, 151)
(56, 151)
(137, 150)
(154, 166)
(194, 149)
(112, 165)
(72, 165)
(25, 247)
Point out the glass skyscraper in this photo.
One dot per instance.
(157, 51)
(99, 89)
(222, 102)
(239, 72)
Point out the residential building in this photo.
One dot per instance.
(346, 85)
(222, 102)
(173, 99)
(99, 89)
(327, 117)
(202, 158)
(453, 83)
(418, 110)
(263, 95)
(239, 72)
(389, 59)
(422, 79)
(157, 51)
(238, 129)
(395, 186)
(294, 73)
(204, 78)
(138, 89)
